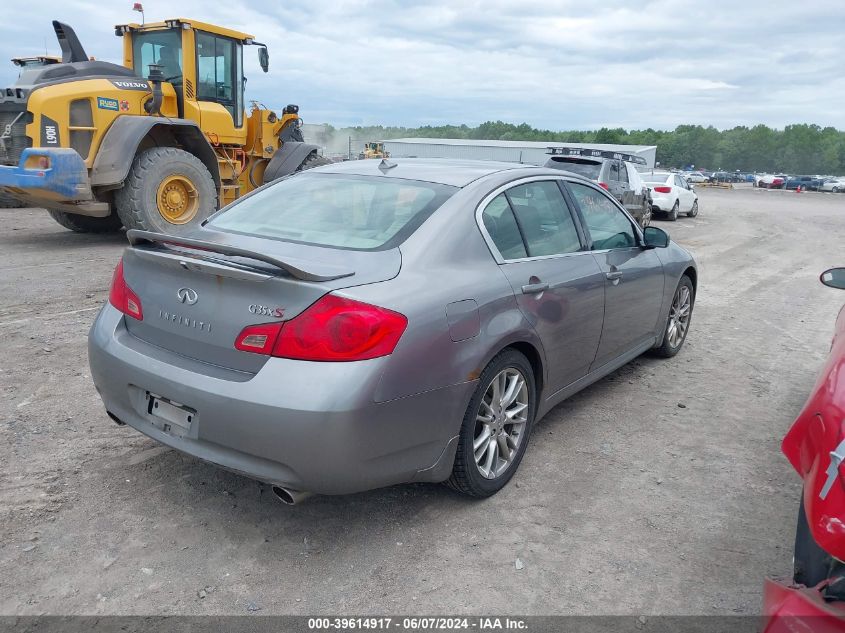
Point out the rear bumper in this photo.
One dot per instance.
(306, 426)
(661, 202)
(788, 608)
(65, 180)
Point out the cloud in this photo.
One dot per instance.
(560, 64)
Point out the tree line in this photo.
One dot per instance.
(797, 149)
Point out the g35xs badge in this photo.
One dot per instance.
(277, 313)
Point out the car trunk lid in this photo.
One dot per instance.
(199, 294)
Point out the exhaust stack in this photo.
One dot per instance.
(72, 50)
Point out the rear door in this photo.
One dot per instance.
(614, 182)
(633, 276)
(628, 196)
(557, 283)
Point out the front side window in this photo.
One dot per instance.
(158, 47)
(608, 225)
(219, 73)
(340, 211)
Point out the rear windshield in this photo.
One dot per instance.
(654, 177)
(355, 212)
(587, 168)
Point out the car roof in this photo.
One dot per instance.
(457, 173)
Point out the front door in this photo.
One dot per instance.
(557, 283)
(633, 275)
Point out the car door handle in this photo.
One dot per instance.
(613, 275)
(534, 288)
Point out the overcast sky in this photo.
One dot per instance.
(557, 64)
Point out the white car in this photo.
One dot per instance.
(671, 194)
(836, 185)
(695, 176)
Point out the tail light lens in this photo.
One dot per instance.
(122, 297)
(258, 339)
(604, 186)
(663, 189)
(332, 329)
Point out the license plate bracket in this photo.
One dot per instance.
(169, 416)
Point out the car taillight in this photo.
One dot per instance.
(122, 297)
(604, 186)
(332, 329)
(259, 339)
(663, 189)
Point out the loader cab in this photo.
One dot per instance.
(203, 63)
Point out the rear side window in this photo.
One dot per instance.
(501, 226)
(353, 212)
(623, 173)
(544, 219)
(614, 170)
(609, 227)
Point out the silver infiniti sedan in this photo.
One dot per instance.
(376, 322)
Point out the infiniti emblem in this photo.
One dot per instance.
(187, 295)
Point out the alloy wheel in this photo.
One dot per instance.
(500, 423)
(679, 316)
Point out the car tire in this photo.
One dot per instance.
(680, 314)
(836, 190)
(144, 202)
(86, 223)
(694, 211)
(468, 476)
(673, 214)
(811, 564)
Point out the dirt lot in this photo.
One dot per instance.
(659, 490)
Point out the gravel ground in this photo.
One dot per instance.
(659, 490)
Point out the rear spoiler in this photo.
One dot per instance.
(596, 153)
(299, 268)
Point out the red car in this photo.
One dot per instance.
(815, 446)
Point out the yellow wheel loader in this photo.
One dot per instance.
(158, 143)
(373, 150)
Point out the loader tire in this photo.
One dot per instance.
(86, 223)
(313, 160)
(168, 190)
(10, 202)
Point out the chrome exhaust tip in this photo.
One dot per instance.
(290, 497)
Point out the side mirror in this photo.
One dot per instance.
(655, 238)
(264, 58)
(834, 278)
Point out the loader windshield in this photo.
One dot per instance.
(162, 47)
